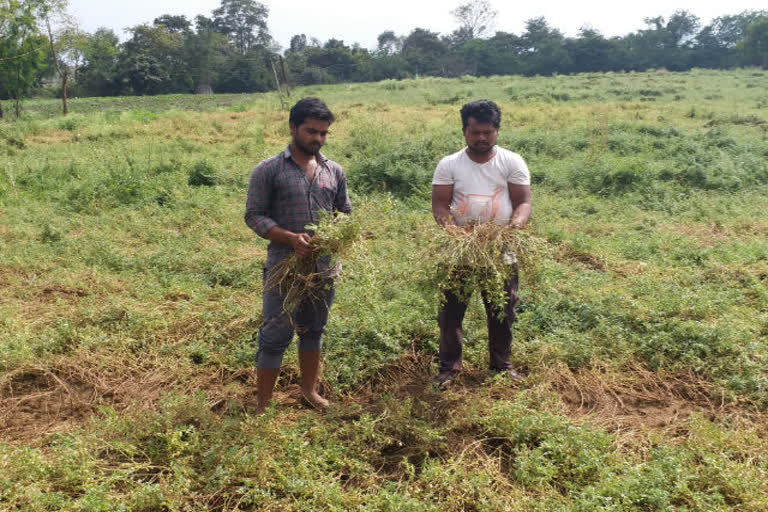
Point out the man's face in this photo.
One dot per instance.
(310, 135)
(480, 137)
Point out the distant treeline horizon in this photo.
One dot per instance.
(43, 52)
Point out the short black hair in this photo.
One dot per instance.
(482, 111)
(310, 108)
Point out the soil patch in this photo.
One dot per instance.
(37, 403)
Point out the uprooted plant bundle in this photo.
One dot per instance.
(482, 257)
(302, 279)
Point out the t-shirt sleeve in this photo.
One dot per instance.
(517, 172)
(443, 174)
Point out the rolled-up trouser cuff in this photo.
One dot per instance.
(311, 343)
(268, 361)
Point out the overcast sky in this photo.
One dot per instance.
(361, 21)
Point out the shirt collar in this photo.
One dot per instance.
(287, 154)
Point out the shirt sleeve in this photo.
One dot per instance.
(341, 201)
(258, 202)
(443, 174)
(517, 170)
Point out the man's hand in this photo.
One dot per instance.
(520, 195)
(302, 244)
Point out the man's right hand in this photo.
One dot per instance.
(302, 244)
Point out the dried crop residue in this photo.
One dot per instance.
(50, 137)
(755, 227)
(567, 254)
(63, 291)
(42, 304)
(65, 394)
(636, 400)
(629, 269)
(411, 379)
(706, 236)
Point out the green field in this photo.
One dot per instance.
(130, 291)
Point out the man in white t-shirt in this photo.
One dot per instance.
(480, 183)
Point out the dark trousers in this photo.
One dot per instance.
(451, 317)
(277, 329)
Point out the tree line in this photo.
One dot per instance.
(231, 51)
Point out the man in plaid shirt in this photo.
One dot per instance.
(285, 194)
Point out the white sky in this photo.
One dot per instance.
(362, 21)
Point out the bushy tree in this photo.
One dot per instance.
(244, 22)
(206, 53)
(543, 49)
(756, 43)
(67, 45)
(298, 43)
(99, 75)
(152, 61)
(389, 43)
(718, 45)
(22, 49)
(590, 51)
(664, 43)
(424, 51)
(251, 72)
(174, 24)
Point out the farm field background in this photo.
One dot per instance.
(130, 292)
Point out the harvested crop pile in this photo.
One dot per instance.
(482, 256)
(301, 279)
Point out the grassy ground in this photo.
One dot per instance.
(130, 292)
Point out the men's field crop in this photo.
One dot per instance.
(130, 293)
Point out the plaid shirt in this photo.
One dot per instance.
(279, 194)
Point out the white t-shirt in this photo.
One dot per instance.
(480, 191)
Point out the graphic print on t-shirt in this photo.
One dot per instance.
(479, 207)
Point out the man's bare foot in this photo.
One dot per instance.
(314, 399)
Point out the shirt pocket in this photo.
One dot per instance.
(325, 190)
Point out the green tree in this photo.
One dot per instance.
(334, 62)
(544, 51)
(152, 61)
(173, 23)
(590, 51)
(298, 44)
(424, 52)
(99, 75)
(756, 43)
(22, 49)
(473, 57)
(244, 22)
(718, 45)
(206, 52)
(505, 58)
(389, 43)
(67, 44)
(387, 62)
(251, 72)
(664, 43)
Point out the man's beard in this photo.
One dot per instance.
(481, 148)
(311, 150)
